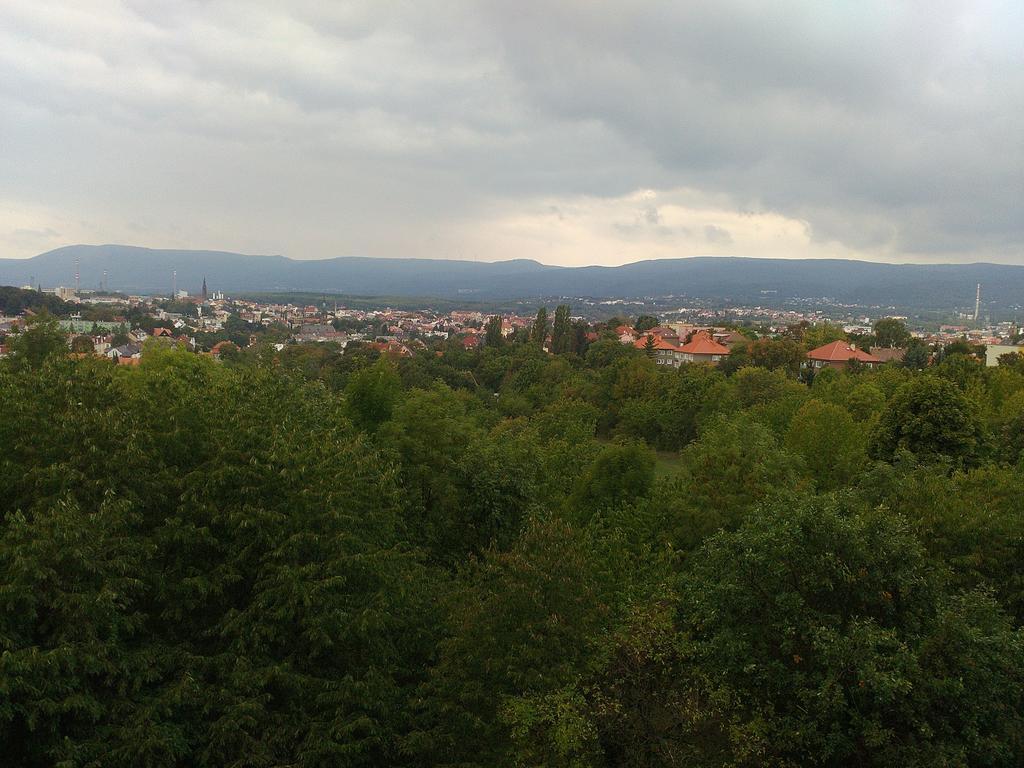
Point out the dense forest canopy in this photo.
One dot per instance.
(508, 557)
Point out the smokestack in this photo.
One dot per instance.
(977, 302)
(78, 276)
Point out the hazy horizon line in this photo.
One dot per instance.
(932, 262)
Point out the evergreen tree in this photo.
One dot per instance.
(492, 332)
(649, 346)
(539, 331)
(917, 355)
(561, 336)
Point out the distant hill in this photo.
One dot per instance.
(741, 280)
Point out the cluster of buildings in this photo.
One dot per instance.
(677, 343)
(203, 322)
(673, 344)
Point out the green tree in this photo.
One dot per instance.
(492, 332)
(649, 346)
(539, 331)
(82, 344)
(41, 339)
(930, 418)
(917, 355)
(832, 445)
(561, 331)
(823, 637)
(735, 465)
(961, 347)
(757, 386)
(372, 394)
(890, 332)
(1012, 360)
(971, 523)
(697, 393)
(620, 474)
(821, 334)
(430, 433)
(645, 323)
(776, 354)
(273, 524)
(605, 352)
(521, 624)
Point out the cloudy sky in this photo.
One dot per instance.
(567, 132)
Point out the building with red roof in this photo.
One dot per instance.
(221, 347)
(627, 335)
(392, 348)
(701, 348)
(665, 352)
(839, 354)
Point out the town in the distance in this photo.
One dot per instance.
(806, 334)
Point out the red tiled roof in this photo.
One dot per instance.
(702, 344)
(659, 343)
(840, 351)
(662, 330)
(220, 346)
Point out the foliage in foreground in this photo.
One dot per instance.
(469, 560)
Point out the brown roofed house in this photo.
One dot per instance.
(889, 354)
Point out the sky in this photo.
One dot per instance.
(570, 132)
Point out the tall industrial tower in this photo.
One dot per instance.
(78, 276)
(174, 283)
(977, 302)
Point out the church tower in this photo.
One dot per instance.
(204, 288)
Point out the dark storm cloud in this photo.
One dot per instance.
(876, 123)
(881, 130)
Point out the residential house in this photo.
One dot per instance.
(701, 348)
(664, 351)
(392, 348)
(321, 332)
(839, 355)
(889, 354)
(221, 347)
(730, 338)
(125, 352)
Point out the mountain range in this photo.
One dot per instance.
(734, 279)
